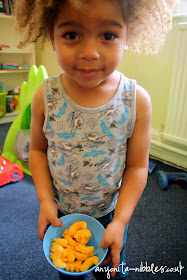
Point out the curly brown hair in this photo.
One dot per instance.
(147, 21)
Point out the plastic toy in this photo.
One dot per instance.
(9, 172)
(35, 78)
(164, 178)
(3, 102)
(151, 167)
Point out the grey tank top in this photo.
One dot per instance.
(87, 147)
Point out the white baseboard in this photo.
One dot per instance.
(167, 153)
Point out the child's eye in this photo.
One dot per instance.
(109, 36)
(71, 36)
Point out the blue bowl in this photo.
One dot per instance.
(93, 225)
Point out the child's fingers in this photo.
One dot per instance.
(41, 234)
(104, 244)
(56, 222)
(107, 260)
(42, 229)
(115, 259)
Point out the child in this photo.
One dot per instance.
(90, 128)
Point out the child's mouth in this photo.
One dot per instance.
(90, 73)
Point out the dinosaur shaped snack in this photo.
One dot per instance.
(71, 252)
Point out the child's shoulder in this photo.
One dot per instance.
(37, 100)
(47, 83)
(38, 95)
(143, 101)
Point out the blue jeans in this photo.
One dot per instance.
(102, 275)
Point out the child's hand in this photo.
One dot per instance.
(113, 238)
(47, 217)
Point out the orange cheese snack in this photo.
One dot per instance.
(71, 252)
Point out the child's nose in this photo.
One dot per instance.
(89, 50)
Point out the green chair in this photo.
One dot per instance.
(23, 120)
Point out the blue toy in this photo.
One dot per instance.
(164, 178)
(151, 167)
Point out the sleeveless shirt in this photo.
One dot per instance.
(87, 147)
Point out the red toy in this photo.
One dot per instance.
(9, 172)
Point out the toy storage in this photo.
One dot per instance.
(12, 77)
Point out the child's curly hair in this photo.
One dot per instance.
(147, 20)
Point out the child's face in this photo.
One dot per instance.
(89, 42)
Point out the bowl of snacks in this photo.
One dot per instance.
(74, 249)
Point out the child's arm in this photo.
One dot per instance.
(39, 166)
(135, 176)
